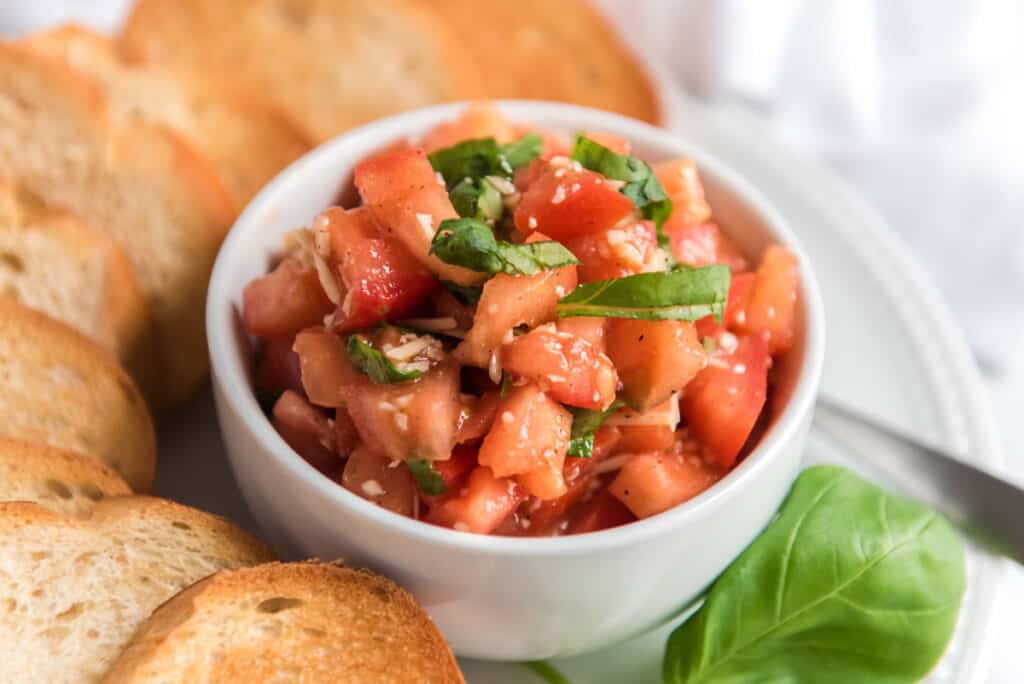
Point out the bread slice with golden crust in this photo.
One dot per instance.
(60, 480)
(308, 622)
(328, 64)
(247, 142)
(143, 186)
(53, 262)
(61, 388)
(75, 590)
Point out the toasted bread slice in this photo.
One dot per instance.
(75, 590)
(544, 50)
(62, 389)
(309, 622)
(61, 480)
(247, 142)
(143, 186)
(52, 262)
(328, 65)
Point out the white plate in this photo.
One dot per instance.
(893, 350)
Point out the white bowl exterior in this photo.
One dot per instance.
(494, 598)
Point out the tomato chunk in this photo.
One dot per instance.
(369, 474)
(382, 280)
(456, 469)
(602, 512)
(653, 430)
(307, 430)
(653, 482)
(615, 143)
(617, 252)
(564, 203)
(326, 369)
(478, 417)
(567, 367)
(771, 308)
(700, 244)
(589, 328)
(508, 301)
(284, 301)
(394, 173)
(682, 184)
(740, 287)
(721, 405)
(481, 505)
(654, 358)
(478, 120)
(277, 368)
(531, 431)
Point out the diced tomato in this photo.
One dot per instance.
(771, 308)
(567, 367)
(326, 369)
(721, 405)
(455, 469)
(446, 305)
(508, 301)
(402, 193)
(589, 328)
(615, 143)
(307, 430)
(284, 301)
(477, 418)
(564, 203)
(369, 474)
(345, 434)
(653, 358)
(382, 280)
(602, 512)
(701, 244)
(478, 120)
(653, 482)
(740, 287)
(481, 505)
(531, 430)
(653, 430)
(617, 252)
(682, 184)
(547, 481)
(525, 176)
(278, 367)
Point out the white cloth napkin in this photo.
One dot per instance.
(919, 103)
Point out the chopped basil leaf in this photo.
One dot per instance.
(523, 151)
(471, 244)
(374, 364)
(472, 159)
(429, 480)
(585, 422)
(467, 295)
(686, 294)
(476, 198)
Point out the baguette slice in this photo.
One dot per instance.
(328, 65)
(74, 590)
(60, 388)
(62, 481)
(247, 143)
(52, 262)
(141, 185)
(308, 622)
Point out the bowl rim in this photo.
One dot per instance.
(228, 368)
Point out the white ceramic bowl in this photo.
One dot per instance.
(497, 597)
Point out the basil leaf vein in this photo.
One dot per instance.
(685, 294)
(427, 478)
(374, 364)
(585, 423)
(471, 244)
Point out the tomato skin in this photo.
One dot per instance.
(307, 430)
(721, 405)
(326, 369)
(771, 307)
(682, 184)
(456, 469)
(478, 120)
(653, 482)
(602, 512)
(277, 367)
(369, 474)
(531, 430)
(478, 418)
(564, 203)
(702, 244)
(382, 280)
(481, 505)
(394, 173)
(590, 328)
(567, 367)
(740, 287)
(653, 358)
(617, 252)
(284, 301)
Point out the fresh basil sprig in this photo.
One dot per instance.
(427, 478)
(847, 584)
(682, 294)
(523, 151)
(470, 159)
(374, 364)
(586, 422)
(642, 185)
(471, 244)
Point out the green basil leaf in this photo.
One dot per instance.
(523, 151)
(467, 295)
(506, 384)
(477, 198)
(374, 364)
(471, 244)
(427, 479)
(848, 584)
(642, 186)
(681, 294)
(471, 159)
(586, 422)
